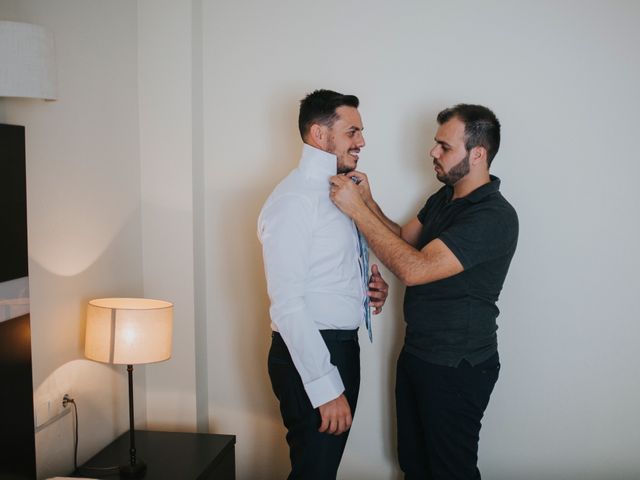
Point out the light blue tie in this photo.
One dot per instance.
(364, 273)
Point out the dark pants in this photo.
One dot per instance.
(314, 455)
(439, 410)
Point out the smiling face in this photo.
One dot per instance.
(344, 138)
(450, 156)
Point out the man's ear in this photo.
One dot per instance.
(317, 135)
(478, 155)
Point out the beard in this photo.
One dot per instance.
(342, 165)
(458, 171)
(342, 168)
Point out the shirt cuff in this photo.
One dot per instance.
(324, 389)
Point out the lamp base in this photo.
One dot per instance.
(133, 471)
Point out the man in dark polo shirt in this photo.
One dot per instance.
(453, 257)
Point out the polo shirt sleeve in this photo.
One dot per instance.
(482, 233)
(423, 211)
(286, 231)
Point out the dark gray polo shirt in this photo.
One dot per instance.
(455, 318)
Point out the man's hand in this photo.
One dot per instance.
(378, 290)
(336, 416)
(345, 194)
(363, 186)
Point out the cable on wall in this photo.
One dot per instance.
(89, 470)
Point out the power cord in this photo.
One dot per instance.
(65, 401)
(94, 471)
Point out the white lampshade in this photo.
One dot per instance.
(27, 61)
(128, 330)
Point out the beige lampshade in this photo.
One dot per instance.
(128, 330)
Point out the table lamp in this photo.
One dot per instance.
(129, 331)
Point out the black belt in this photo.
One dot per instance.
(336, 335)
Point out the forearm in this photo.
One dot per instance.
(395, 246)
(383, 237)
(413, 267)
(390, 224)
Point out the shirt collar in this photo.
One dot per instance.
(485, 190)
(481, 192)
(317, 163)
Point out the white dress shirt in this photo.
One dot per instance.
(310, 251)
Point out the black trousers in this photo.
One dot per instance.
(314, 455)
(439, 413)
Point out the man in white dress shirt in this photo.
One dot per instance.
(312, 263)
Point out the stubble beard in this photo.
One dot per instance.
(342, 167)
(457, 172)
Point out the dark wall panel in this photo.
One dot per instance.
(13, 204)
(17, 439)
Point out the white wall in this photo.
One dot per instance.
(563, 79)
(83, 182)
(199, 123)
(164, 75)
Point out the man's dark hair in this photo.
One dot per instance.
(481, 127)
(320, 107)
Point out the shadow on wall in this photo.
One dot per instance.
(59, 296)
(58, 320)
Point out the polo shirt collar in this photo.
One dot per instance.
(481, 192)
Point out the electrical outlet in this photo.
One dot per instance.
(50, 410)
(55, 407)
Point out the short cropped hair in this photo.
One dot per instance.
(481, 127)
(320, 107)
